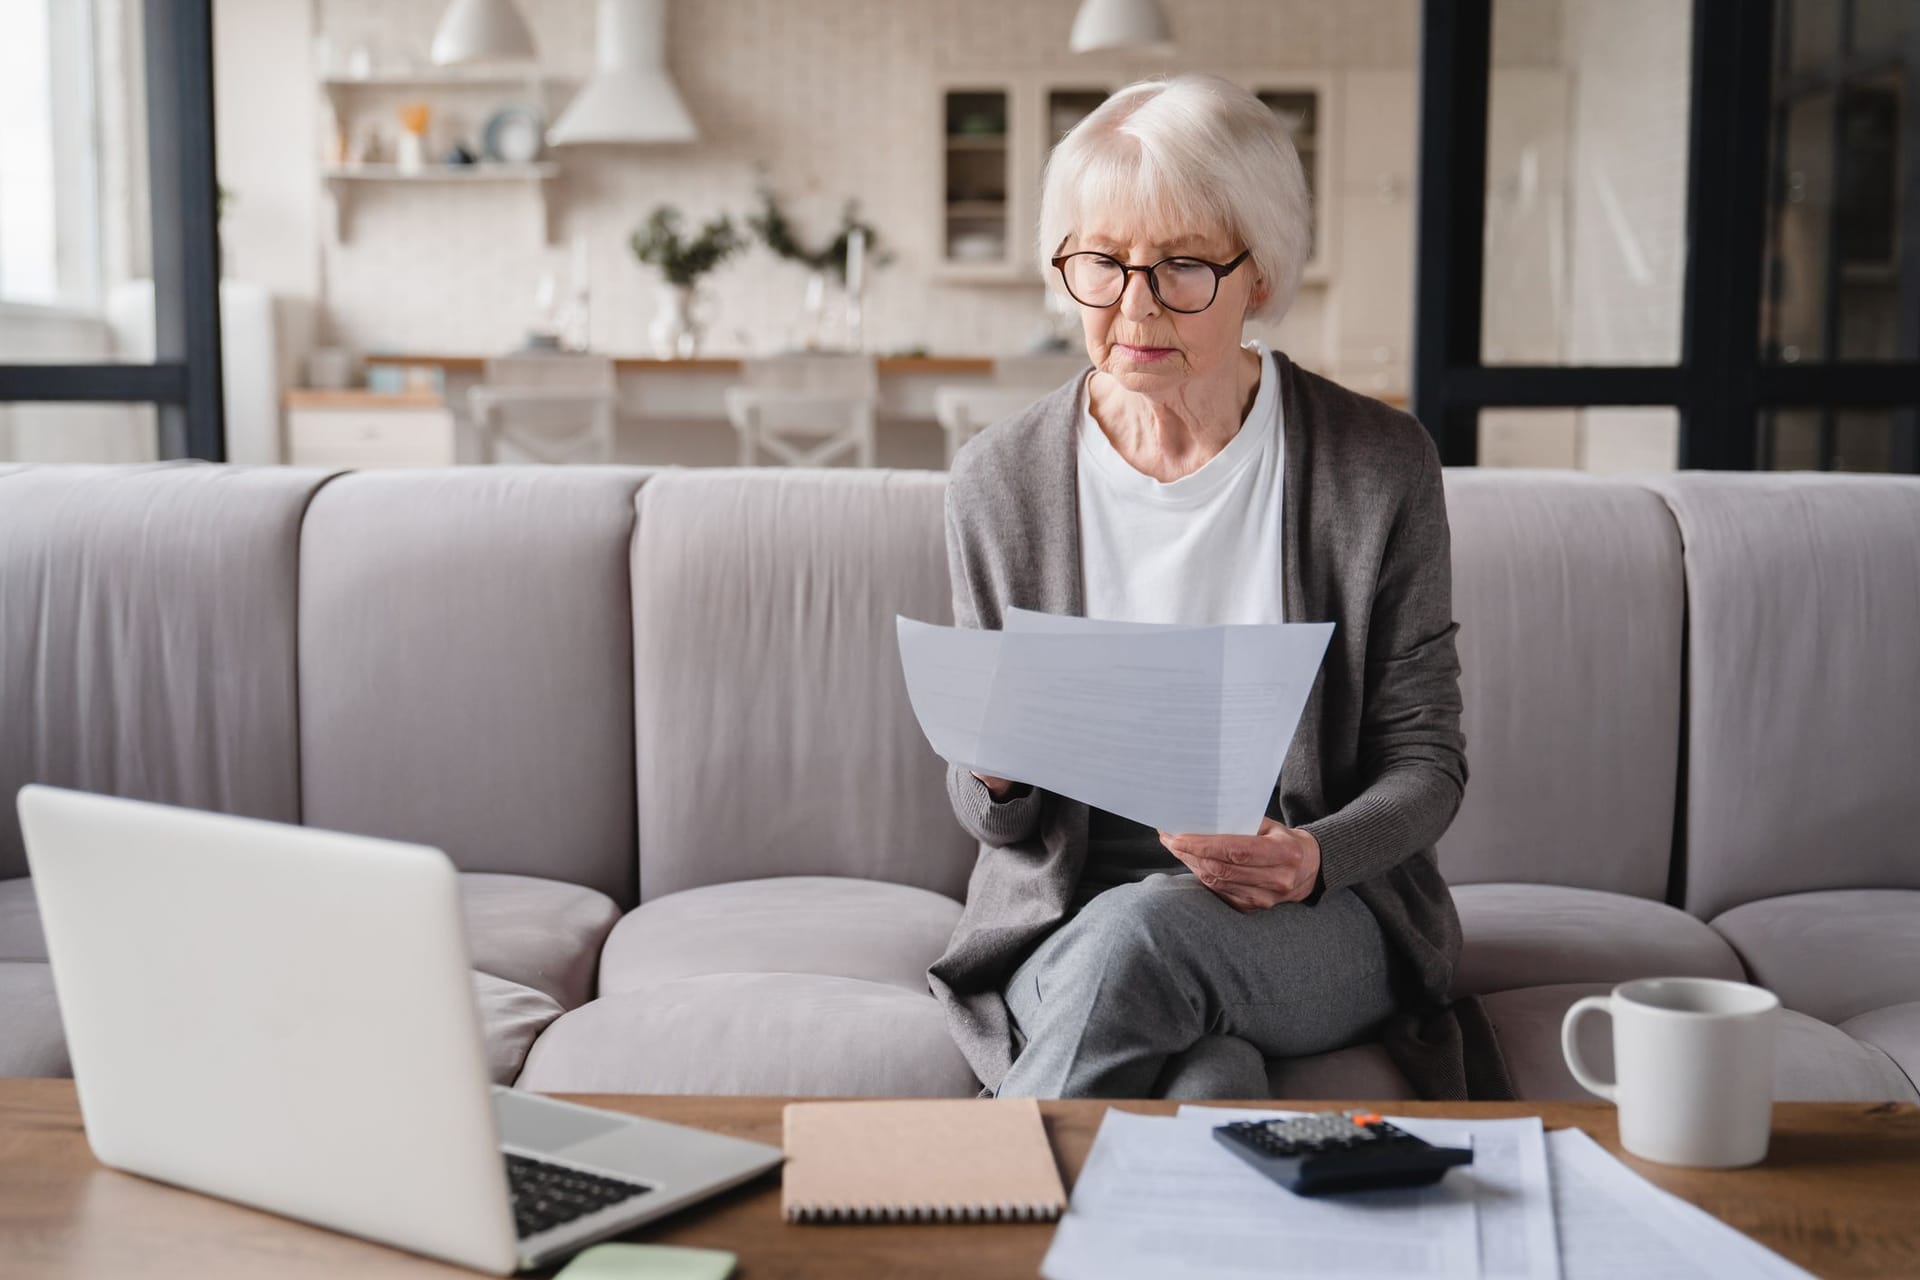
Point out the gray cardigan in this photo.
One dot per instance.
(1376, 770)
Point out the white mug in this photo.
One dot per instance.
(1693, 1068)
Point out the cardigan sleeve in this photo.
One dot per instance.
(1016, 816)
(1412, 753)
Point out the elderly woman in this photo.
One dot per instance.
(1193, 477)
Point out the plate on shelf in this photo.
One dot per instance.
(513, 135)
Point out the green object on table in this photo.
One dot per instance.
(647, 1262)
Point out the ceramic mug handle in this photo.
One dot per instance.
(1588, 1081)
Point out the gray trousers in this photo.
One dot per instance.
(1160, 989)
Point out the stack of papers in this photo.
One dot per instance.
(1182, 728)
(1160, 1197)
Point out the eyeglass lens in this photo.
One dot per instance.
(1184, 284)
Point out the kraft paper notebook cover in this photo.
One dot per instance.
(914, 1159)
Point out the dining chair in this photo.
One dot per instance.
(804, 409)
(545, 407)
(963, 410)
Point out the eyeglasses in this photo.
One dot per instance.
(1185, 285)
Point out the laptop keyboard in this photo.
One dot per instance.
(549, 1195)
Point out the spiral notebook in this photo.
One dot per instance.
(919, 1160)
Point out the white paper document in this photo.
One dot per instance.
(1508, 1179)
(1614, 1223)
(1181, 728)
(1160, 1197)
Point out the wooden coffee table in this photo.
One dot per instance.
(1839, 1194)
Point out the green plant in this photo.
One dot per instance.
(682, 260)
(776, 231)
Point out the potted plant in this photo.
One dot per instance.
(853, 249)
(682, 261)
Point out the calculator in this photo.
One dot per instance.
(1333, 1151)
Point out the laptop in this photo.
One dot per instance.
(284, 1017)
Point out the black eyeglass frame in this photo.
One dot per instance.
(1220, 272)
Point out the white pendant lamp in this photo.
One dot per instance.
(629, 97)
(1121, 24)
(481, 31)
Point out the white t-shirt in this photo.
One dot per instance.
(1203, 549)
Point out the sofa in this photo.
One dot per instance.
(656, 719)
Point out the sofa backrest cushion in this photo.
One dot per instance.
(465, 672)
(147, 636)
(772, 727)
(1569, 596)
(1804, 683)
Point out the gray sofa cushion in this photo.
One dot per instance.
(754, 1033)
(543, 934)
(1895, 1029)
(20, 935)
(1568, 593)
(1835, 954)
(147, 636)
(801, 924)
(466, 671)
(772, 729)
(1529, 935)
(1802, 731)
(1813, 1061)
(31, 1040)
(511, 1017)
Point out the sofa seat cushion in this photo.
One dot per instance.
(1894, 1029)
(1530, 935)
(20, 935)
(32, 1042)
(1812, 1061)
(542, 934)
(828, 925)
(1836, 953)
(802, 1034)
(511, 1018)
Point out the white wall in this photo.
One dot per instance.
(835, 98)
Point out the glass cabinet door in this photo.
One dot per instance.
(976, 172)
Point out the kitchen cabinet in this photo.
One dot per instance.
(997, 132)
(368, 429)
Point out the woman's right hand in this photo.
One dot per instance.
(997, 786)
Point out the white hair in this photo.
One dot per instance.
(1190, 155)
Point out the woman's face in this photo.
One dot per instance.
(1147, 348)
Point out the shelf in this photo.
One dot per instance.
(342, 181)
(992, 271)
(539, 171)
(428, 79)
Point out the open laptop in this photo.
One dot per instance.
(284, 1017)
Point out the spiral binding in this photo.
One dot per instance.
(923, 1213)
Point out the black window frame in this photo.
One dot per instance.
(184, 379)
(1723, 381)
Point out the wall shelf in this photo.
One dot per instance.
(342, 182)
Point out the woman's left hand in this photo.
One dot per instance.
(1252, 873)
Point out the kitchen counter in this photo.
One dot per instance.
(697, 364)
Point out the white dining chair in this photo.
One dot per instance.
(965, 409)
(805, 409)
(546, 408)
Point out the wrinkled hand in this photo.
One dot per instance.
(1252, 873)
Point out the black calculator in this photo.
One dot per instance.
(1333, 1151)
